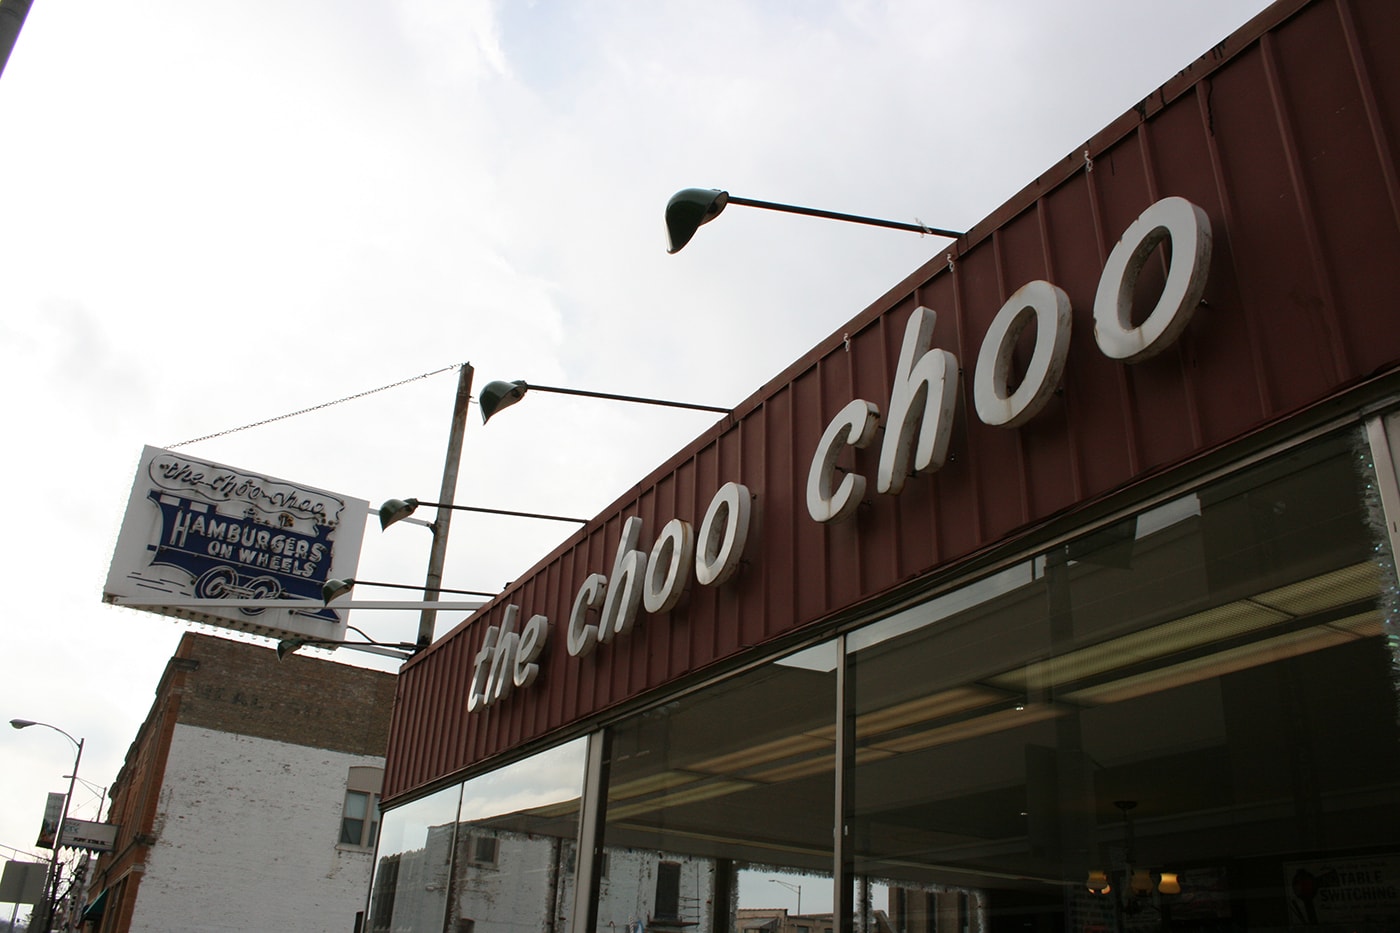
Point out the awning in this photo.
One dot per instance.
(93, 911)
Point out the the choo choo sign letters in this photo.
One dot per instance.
(918, 423)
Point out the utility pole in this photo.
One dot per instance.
(442, 523)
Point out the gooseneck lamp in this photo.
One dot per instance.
(51, 886)
(691, 208)
(501, 394)
(396, 510)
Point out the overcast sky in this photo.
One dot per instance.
(217, 214)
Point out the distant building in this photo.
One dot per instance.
(249, 797)
(778, 920)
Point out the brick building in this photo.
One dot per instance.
(249, 797)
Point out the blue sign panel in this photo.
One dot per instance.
(231, 557)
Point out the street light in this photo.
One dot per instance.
(500, 394)
(791, 887)
(396, 510)
(689, 209)
(51, 886)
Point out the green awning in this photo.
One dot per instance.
(93, 911)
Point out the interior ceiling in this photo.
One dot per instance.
(781, 781)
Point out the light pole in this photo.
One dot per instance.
(791, 887)
(52, 886)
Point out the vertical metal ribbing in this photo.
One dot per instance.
(1227, 211)
(1384, 150)
(1308, 219)
(973, 476)
(1076, 477)
(1188, 385)
(1125, 389)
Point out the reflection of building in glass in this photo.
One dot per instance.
(928, 908)
(664, 893)
(497, 880)
(410, 890)
(778, 920)
(1127, 664)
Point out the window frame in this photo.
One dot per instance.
(361, 783)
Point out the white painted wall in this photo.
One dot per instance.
(246, 839)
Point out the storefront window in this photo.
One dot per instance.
(1182, 721)
(1186, 719)
(515, 844)
(414, 865)
(720, 806)
(494, 853)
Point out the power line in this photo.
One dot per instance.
(303, 411)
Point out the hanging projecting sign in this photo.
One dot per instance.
(85, 834)
(199, 537)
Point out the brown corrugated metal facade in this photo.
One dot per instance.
(1284, 134)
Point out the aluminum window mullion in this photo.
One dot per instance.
(842, 868)
(1387, 483)
(593, 812)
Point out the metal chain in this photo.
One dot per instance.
(348, 398)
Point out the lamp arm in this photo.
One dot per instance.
(403, 650)
(833, 215)
(641, 400)
(415, 586)
(513, 514)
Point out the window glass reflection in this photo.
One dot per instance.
(1157, 726)
(414, 864)
(720, 806)
(771, 899)
(495, 853)
(515, 844)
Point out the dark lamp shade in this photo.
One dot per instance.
(394, 510)
(500, 394)
(288, 646)
(334, 589)
(688, 209)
